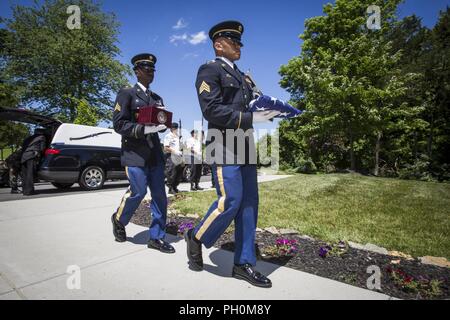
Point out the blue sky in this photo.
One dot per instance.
(176, 32)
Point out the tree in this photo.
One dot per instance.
(58, 67)
(437, 76)
(11, 134)
(347, 79)
(86, 114)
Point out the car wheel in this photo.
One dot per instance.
(206, 170)
(19, 180)
(186, 173)
(92, 178)
(62, 185)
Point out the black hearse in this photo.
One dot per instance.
(76, 154)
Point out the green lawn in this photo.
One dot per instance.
(408, 216)
(5, 154)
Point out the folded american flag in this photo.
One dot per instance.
(264, 103)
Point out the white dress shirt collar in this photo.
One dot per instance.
(143, 87)
(231, 64)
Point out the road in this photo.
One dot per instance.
(46, 189)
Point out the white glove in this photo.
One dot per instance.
(264, 116)
(153, 129)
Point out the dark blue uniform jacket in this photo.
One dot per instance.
(138, 150)
(224, 94)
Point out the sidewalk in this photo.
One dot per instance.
(40, 238)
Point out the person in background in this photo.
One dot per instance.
(13, 164)
(33, 147)
(175, 162)
(194, 145)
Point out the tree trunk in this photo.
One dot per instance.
(415, 146)
(377, 154)
(430, 139)
(352, 153)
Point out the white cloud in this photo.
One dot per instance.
(193, 39)
(190, 55)
(181, 24)
(198, 38)
(178, 38)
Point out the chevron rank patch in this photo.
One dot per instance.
(117, 107)
(204, 87)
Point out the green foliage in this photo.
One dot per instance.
(11, 134)
(373, 99)
(86, 115)
(264, 150)
(58, 67)
(304, 165)
(424, 287)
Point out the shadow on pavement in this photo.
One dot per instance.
(224, 261)
(142, 238)
(79, 189)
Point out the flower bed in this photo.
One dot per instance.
(400, 277)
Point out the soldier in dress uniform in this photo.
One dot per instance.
(175, 161)
(142, 155)
(224, 93)
(194, 145)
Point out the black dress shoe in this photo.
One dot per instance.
(198, 187)
(172, 191)
(193, 188)
(161, 245)
(247, 273)
(15, 192)
(118, 230)
(194, 251)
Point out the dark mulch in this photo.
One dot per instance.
(350, 267)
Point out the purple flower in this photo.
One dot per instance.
(323, 251)
(185, 226)
(281, 242)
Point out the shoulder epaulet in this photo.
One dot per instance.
(211, 61)
(126, 88)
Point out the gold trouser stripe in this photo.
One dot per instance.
(240, 118)
(122, 204)
(124, 198)
(220, 206)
